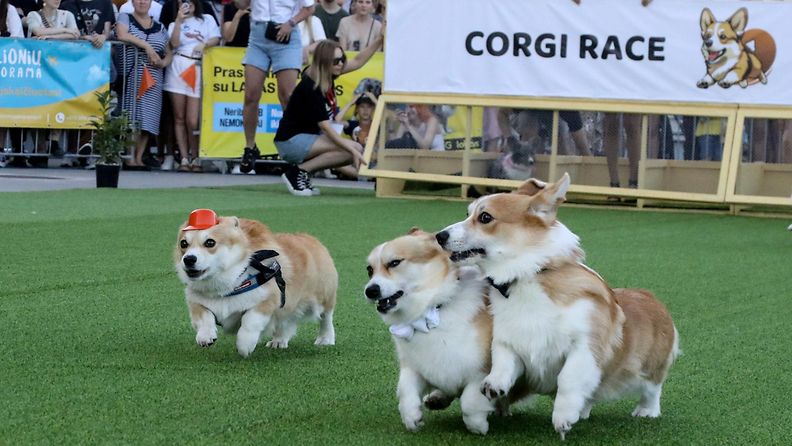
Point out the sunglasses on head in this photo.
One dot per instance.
(339, 60)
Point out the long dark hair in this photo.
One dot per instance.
(197, 13)
(4, 17)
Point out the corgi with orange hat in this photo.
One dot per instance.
(252, 282)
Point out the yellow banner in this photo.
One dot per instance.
(222, 134)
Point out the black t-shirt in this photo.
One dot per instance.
(90, 15)
(308, 106)
(243, 29)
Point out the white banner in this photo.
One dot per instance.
(672, 50)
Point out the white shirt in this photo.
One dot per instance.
(278, 11)
(193, 32)
(154, 10)
(13, 23)
(316, 27)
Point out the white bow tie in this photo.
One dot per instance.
(429, 320)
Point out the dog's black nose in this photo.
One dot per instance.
(189, 261)
(373, 292)
(708, 42)
(442, 238)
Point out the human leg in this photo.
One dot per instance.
(192, 112)
(287, 80)
(179, 102)
(611, 138)
(254, 80)
(632, 128)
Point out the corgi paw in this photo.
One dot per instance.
(743, 84)
(492, 391)
(703, 84)
(476, 424)
(646, 412)
(206, 338)
(413, 421)
(562, 422)
(324, 340)
(278, 343)
(437, 400)
(789, 228)
(246, 343)
(725, 84)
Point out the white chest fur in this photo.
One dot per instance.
(450, 355)
(228, 310)
(538, 330)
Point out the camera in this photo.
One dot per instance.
(373, 86)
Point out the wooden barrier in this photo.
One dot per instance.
(728, 182)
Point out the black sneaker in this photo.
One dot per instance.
(309, 185)
(297, 181)
(249, 157)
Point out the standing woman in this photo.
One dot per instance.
(358, 30)
(306, 138)
(150, 45)
(190, 35)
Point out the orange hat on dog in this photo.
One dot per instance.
(201, 219)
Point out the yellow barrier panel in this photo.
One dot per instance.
(222, 134)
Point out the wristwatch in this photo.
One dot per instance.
(292, 23)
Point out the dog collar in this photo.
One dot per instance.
(429, 320)
(261, 274)
(504, 287)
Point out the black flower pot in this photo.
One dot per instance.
(107, 175)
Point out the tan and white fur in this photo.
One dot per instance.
(562, 329)
(408, 277)
(220, 257)
(727, 59)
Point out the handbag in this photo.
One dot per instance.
(271, 33)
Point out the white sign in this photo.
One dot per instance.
(672, 50)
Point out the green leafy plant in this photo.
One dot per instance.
(112, 134)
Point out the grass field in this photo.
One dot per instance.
(96, 344)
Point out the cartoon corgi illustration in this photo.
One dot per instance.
(732, 54)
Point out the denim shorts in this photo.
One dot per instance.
(264, 54)
(295, 149)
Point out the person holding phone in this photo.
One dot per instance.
(190, 35)
(274, 43)
(307, 138)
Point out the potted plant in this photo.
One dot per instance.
(112, 137)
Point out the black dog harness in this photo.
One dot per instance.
(260, 274)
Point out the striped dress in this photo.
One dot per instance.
(145, 111)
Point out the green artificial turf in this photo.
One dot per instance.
(96, 344)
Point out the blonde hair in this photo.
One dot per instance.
(321, 66)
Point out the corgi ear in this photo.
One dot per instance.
(414, 230)
(233, 221)
(707, 19)
(739, 20)
(546, 203)
(531, 187)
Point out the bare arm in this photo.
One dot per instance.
(350, 146)
(365, 54)
(341, 113)
(230, 28)
(424, 141)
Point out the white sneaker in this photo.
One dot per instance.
(167, 163)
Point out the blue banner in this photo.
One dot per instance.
(51, 83)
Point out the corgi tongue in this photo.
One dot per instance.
(713, 55)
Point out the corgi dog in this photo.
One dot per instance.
(240, 275)
(727, 55)
(439, 323)
(516, 162)
(557, 325)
